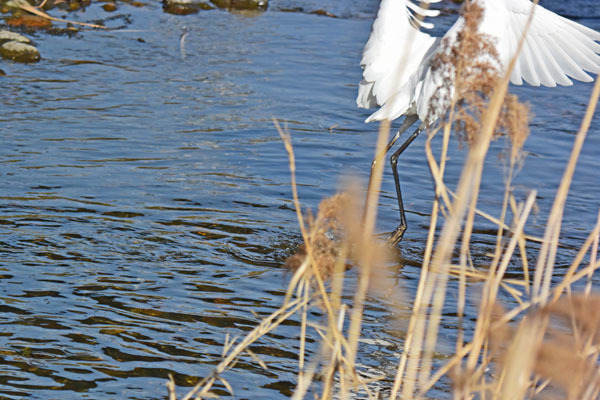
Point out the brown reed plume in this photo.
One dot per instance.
(560, 358)
(470, 67)
(335, 223)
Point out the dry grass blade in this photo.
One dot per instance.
(226, 384)
(568, 277)
(365, 260)
(267, 325)
(257, 359)
(171, 387)
(593, 256)
(287, 142)
(26, 7)
(558, 343)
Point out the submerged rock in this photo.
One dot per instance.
(19, 52)
(65, 5)
(74, 6)
(7, 36)
(29, 21)
(323, 13)
(110, 7)
(185, 7)
(241, 4)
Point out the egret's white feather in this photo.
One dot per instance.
(426, 12)
(393, 52)
(555, 48)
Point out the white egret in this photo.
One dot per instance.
(397, 61)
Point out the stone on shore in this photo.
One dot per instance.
(19, 52)
(7, 36)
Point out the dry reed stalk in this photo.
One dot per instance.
(435, 289)
(370, 205)
(497, 221)
(515, 121)
(322, 259)
(488, 123)
(303, 321)
(494, 280)
(315, 237)
(334, 335)
(545, 264)
(593, 257)
(590, 243)
(232, 354)
(371, 209)
(368, 228)
(171, 388)
(522, 251)
(286, 138)
(336, 354)
(437, 173)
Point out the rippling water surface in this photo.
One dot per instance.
(145, 206)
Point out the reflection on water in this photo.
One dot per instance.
(145, 206)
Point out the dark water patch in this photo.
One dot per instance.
(10, 309)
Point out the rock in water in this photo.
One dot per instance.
(7, 36)
(241, 4)
(109, 7)
(19, 52)
(185, 7)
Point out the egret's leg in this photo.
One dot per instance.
(408, 121)
(399, 232)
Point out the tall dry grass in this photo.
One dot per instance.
(547, 346)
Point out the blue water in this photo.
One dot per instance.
(145, 204)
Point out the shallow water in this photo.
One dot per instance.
(145, 205)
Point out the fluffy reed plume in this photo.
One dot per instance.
(335, 236)
(470, 69)
(563, 345)
(335, 223)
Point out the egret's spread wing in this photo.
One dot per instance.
(554, 50)
(394, 50)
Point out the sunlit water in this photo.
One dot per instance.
(145, 205)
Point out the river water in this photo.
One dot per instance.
(145, 204)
